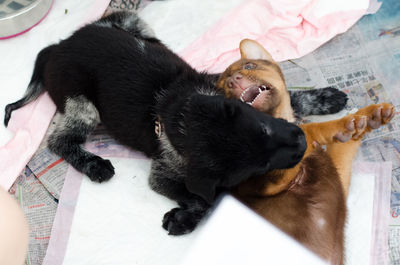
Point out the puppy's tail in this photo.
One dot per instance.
(35, 87)
(128, 21)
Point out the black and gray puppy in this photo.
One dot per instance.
(129, 81)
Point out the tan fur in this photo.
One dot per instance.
(308, 200)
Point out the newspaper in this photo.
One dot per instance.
(364, 62)
(39, 207)
(38, 190)
(126, 5)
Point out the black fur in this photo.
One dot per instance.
(34, 89)
(127, 81)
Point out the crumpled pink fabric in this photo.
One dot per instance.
(288, 29)
(29, 125)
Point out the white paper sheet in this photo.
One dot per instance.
(119, 222)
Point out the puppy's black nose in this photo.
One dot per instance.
(296, 141)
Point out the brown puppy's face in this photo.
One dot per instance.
(255, 79)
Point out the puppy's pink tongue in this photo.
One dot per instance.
(259, 102)
(250, 94)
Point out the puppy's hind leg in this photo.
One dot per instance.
(79, 120)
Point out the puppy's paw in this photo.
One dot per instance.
(99, 169)
(380, 115)
(353, 127)
(180, 221)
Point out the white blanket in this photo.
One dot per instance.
(119, 222)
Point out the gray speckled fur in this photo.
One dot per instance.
(128, 21)
(79, 119)
(167, 178)
(207, 91)
(170, 160)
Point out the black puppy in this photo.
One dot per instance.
(130, 81)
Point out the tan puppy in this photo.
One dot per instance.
(308, 200)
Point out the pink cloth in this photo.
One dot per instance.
(29, 125)
(288, 29)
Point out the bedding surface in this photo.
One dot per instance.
(188, 27)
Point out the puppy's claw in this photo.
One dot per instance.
(388, 114)
(350, 125)
(353, 128)
(343, 136)
(376, 119)
(347, 133)
(361, 125)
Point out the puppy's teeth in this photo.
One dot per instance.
(249, 103)
(242, 96)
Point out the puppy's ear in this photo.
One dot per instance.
(202, 186)
(250, 49)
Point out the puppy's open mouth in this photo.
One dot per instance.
(251, 94)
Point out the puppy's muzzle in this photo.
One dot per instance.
(290, 147)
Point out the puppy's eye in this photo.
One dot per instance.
(249, 66)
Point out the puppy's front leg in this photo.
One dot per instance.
(350, 127)
(343, 153)
(169, 181)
